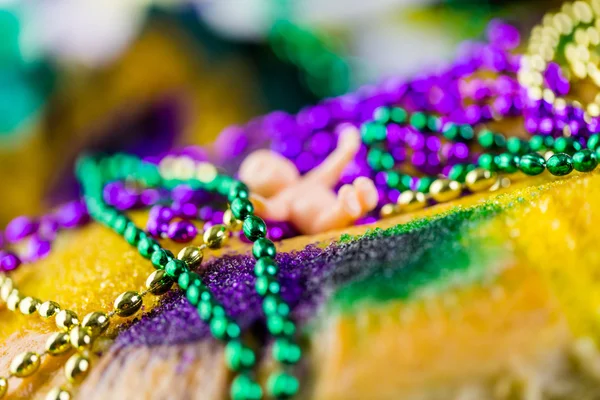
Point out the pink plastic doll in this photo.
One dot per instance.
(309, 202)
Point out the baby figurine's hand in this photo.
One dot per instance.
(349, 139)
(268, 173)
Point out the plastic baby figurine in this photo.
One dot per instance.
(279, 193)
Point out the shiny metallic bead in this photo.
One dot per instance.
(231, 222)
(66, 319)
(388, 210)
(48, 309)
(80, 337)
(192, 256)
(77, 367)
(159, 282)
(215, 236)
(480, 179)
(443, 190)
(411, 200)
(6, 288)
(96, 322)
(29, 305)
(58, 343)
(3, 386)
(128, 303)
(206, 172)
(58, 394)
(25, 364)
(13, 300)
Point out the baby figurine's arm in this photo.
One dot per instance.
(275, 208)
(329, 171)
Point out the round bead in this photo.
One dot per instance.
(410, 200)
(241, 208)
(29, 305)
(215, 236)
(58, 394)
(6, 288)
(25, 364)
(188, 278)
(443, 190)
(48, 309)
(480, 179)
(3, 386)
(593, 142)
(560, 164)
(263, 247)
(265, 266)
(388, 210)
(66, 319)
(182, 231)
(76, 368)
(13, 300)
(80, 337)
(175, 267)
(58, 343)
(487, 161)
(237, 356)
(192, 256)
(159, 282)
(532, 164)
(585, 160)
(128, 303)
(282, 385)
(238, 191)
(9, 262)
(244, 388)
(254, 228)
(160, 258)
(97, 322)
(507, 162)
(231, 222)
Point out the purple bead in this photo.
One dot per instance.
(152, 227)
(503, 35)
(205, 213)
(9, 261)
(38, 248)
(149, 197)
(48, 228)
(275, 233)
(72, 214)
(305, 162)
(166, 214)
(182, 231)
(321, 143)
(217, 217)
(189, 210)
(19, 228)
(182, 194)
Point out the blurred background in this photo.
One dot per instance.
(146, 76)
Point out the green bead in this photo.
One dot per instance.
(238, 190)
(282, 385)
(458, 172)
(398, 115)
(507, 162)
(536, 143)
(465, 133)
(254, 228)
(418, 120)
(450, 131)
(120, 224)
(132, 234)
(486, 139)
(424, 184)
(205, 310)
(265, 266)
(273, 304)
(585, 160)
(160, 258)
(147, 247)
(289, 328)
(175, 267)
(433, 123)
(560, 164)
(373, 132)
(192, 294)
(488, 162)
(244, 388)
(566, 145)
(515, 145)
(286, 352)
(532, 164)
(266, 284)
(263, 247)
(218, 326)
(382, 115)
(238, 357)
(398, 181)
(275, 324)
(233, 330)
(241, 208)
(387, 161)
(374, 157)
(593, 142)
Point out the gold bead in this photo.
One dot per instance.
(13, 300)
(480, 179)
(388, 210)
(58, 343)
(77, 367)
(96, 322)
(184, 168)
(443, 190)
(66, 319)
(25, 364)
(206, 172)
(411, 200)
(3, 386)
(165, 167)
(232, 223)
(2, 279)
(128, 303)
(159, 282)
(215, 236)
(192, 256)
(80, 337)
(58, 394)
(29, 305)
(48, 309)
(6, 288)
